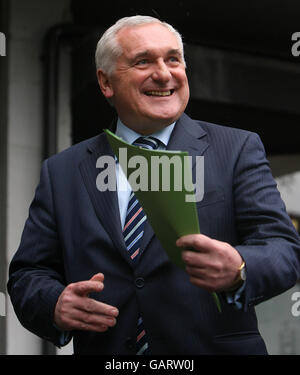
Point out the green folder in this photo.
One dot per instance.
(162, 182)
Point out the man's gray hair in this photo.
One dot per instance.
(109, 49)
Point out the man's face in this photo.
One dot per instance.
(149, 87)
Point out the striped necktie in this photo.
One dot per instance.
(133, 232)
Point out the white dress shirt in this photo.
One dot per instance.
(129, 136)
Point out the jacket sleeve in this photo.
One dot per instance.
(268, 241)
(36, 275)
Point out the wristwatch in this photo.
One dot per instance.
(242, 273)
(241, 277)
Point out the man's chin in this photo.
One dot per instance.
(154, 124)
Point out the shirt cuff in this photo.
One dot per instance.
(235, 298)
(64, 337)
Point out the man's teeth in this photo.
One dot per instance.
(158, 93)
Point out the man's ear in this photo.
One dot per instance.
(105, 84)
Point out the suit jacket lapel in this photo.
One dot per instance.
(187, 136)
(105, 202)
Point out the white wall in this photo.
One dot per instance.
(25, 130)
(289, 187)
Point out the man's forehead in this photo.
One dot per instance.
(154, 36)
(151, 52)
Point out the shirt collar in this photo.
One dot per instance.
(129, 135)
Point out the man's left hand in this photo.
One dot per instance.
(213, 265)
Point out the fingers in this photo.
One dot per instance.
(75, 310)
(204, 271)
(204, 252)
(95, 284)
(84, 288)
(91, 306)
(196, 259)
(198, 242)
(98, 277)
(81, 325)
(93, 316)
(213, 265)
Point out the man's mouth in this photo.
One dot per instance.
(159, 93)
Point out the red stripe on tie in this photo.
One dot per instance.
(135, 253)
(133, 217)
(140, 335)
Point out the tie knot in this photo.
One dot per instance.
(149, 142)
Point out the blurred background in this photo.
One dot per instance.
(242, 74)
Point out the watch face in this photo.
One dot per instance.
(243, 273)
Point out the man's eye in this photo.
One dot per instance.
(173, 59)
(142, 62)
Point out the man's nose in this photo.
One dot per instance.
(161, 72)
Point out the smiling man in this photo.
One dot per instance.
(89, 265)
(149, 86)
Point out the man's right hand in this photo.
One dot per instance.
(76, 311)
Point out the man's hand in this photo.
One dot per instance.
(214, 265)
(75, 310)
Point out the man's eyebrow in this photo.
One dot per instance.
(175, 52)
(141, 54)
(146, 53)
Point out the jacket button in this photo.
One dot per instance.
(139, 282)
(129, 343)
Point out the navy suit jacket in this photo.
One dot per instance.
(73, 232)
